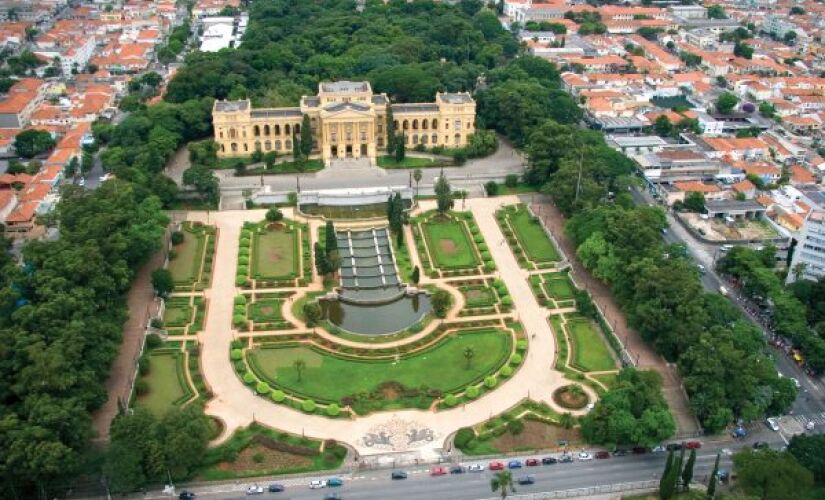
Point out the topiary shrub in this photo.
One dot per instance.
(277, 395)
(239, 320)
(141, 387)
(242, 270)
(486, 256)
(507, 301)
(235, 354)
(262, 388)
(248, 378)
(240, 280)
(506, 371)
(472, 392)
(144, 365)
(516, 359)
(333, 410)
(239, 310)
(450, 400)
(308, 406)
(478, 238)
(236, 344)
(177, 238)
(243, 260)
(240, 300)
(490, 381)
(521, 344)
(463, 437)
(489, 266)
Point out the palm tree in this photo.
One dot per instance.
(469, 352)
(503, 483)
(299, 365)
(417, 175)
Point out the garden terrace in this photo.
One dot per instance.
(366, 260)
(190, 262)
(528, 239)
(163, 382)
(273, 254)
(451, 244)
(583, 352)
(184, 315)
(554, 290)
(261, 311)
(483, 296)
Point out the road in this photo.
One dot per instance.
(376, 484)
(811, 399)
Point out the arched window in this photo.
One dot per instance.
(223, 148)
(415, 139)
(424, 138)
(406, 125)
(268, 145)
(297, 128)
(277, 144)
(257, 131)
(435, 138)
(287, 143)
(415, 124)
(286, 129)
(266, 129)
(245, 148)
(220, 134)
(380, 142)
(277, 130)
(395, 122)
(232, 133)
(407, 140)
(257, 145)
(435, 124)
(234, 147)
(458, 138)
(424, 123)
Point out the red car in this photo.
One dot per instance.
(438, 471)
(602, 455)
(496, 466)
(531, 462)
(693, 445)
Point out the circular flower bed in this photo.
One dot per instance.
(571, 397)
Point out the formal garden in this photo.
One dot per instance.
(554, 289)
(273, 254)
(484, 296)
(192, 255)
(261, 311)
(584, 353)
(527, 238)
(451, 244)
(163, 381)
(184, 315)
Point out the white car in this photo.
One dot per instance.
(106, 177)
(658, 449)
(810, 425)
(255, 490)
(796, 382)
(589, 407)
(584, 456)
(773, 423)
(475, 468)
(317, 483)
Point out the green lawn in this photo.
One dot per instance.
(186, 266)
(266, 310)
(274, 254)
(478, 296)
(330, 378)
(608, 379)
(559, 288)
(450, 245)
(177, 313)
(408, 162)
(533, 239)
(590, 352)
(165, 388)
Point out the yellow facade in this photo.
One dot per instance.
(348, 121)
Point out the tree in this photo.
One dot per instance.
(32, 142)
(312, 313)
(72, 167)
(184, 434)
(400, 148)
(469, 353)
(415, 277)
(299, 365)
(717, 12)
(274, 214)
(711, 491)
(390, 130)
(443, 194)
(695, 202)
(503, 483)
(440, 300)
(742, 49)
(417, 175)
(269, 159)
(796, 10)
(687, 472)
(297, 155)
(321, 263)
(663, 126)
(204, 181)
(767, 109)
(790, 37)
(306, 137)
(726, 102)
(162, 282)
(772, 474)
(567, 420)
(665, 483)
(808, 451)
(333, 259)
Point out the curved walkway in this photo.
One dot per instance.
(238, 406)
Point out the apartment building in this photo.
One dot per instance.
(808, 260)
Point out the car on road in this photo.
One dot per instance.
(276, 488)
(317, 483)
(525, 480)
(106, 177)
(584, 456)
(531, 462)
(810, 425)
(726, 248)
(438, 471)
(760, 444)
(566, 458)
(332, 496)
(673, 446)
(549, 460)
(496, 466)
(639, 450)
(693, 445)
(701, 268)
(723, 291)
(658, 449)
(620, 452)
(475, 468)
(398, 474)
(81, 182)
(772, 423)
(796, 382)
(335, 481)
(255, 490)
(514, 464)
(589, 407)
(186, 495)
(457, 469)
(601, 455)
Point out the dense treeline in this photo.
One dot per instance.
(793, 309)
(61, 319)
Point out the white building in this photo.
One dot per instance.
(809, 256)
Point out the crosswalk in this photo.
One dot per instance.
(801, 419)
(817, 419)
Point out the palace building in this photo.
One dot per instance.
(348, 121)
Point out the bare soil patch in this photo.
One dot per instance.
(537, 436)
(268, 460)
(565, 398)
(447, 246)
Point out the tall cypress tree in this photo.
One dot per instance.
(390, 129)
(321, 264)
(390, 209)
(687, 473)
(666, 483)
(712, 482)
(306, 137)
(331, 241)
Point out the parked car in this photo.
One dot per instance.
(673, 446)
(186, 495)
(809, 426)
(524, 480)
(760, 444)
(772, 423)
(317, 483)
(566, 458)
(457, 469)
(601, 455)
(549, 460)
(276, 488)
(335, 481)
(496, 466)
(584, 456)
(398, 474)
(693, 445)
(514, 464)
(255, 490)
(639, 450)
(438, 471)
(106, 177)
(531, 462)
(658, 449)
(796, 382)
(475, 468)
(332, 496)
(620, 452)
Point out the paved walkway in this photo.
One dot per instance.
(643, 353)
(237, 405)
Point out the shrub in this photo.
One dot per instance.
(521, 344)
(511, 180)
(507, 301)
(463, 437)
(248, 378)
(277, 395)
(240, 300)
(143, 365)
(490, 381)
(489, 266)
(236, 344)
(243, 260)
(141, 387)
(485, 255)
(506, 371)
(258, 458)
(274, 215)
(472, 392)
(243, 252)
(240, 367)
(491, 188)
(172, 255)
(478, 238)
(262, 388)
(516, 359)
(153, 340)
(245, 240)
(235, 354)
(333, 410)
(308, 406)
(239, 310)
(242, 270)
(239, 320)
(450, 400)
(177, 238)
(240, 280)
(515, 427)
